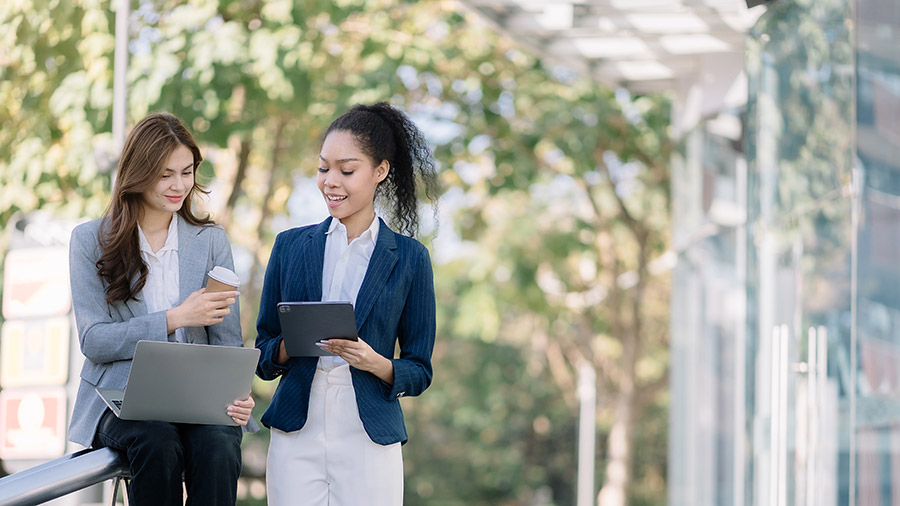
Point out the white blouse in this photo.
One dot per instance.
(345, 268)
(161, 291)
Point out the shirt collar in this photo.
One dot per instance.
(370, 233)
(171, 238)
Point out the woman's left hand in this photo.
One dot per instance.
(240, 410)
(361, 356)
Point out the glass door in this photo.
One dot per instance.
(802, 361)
(877, 406)
(801, 249)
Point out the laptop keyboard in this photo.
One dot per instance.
(118, 403)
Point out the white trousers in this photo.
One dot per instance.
(331, 461)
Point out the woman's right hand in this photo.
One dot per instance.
(200, 309)
(241, 410)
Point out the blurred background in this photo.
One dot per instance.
(665, 248)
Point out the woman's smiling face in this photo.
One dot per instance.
(348, 178)
(174, 185)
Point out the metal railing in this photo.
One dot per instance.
(63, 476)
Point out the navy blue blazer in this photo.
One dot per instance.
(395, 304)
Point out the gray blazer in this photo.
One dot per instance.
(108, 333)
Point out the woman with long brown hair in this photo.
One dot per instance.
(137, 274)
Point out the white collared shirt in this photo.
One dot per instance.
(161, 291)
(345, 268)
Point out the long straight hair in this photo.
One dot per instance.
(147, 148)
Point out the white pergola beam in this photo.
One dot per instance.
(646, 44)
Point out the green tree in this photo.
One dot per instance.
(55, 100)
(567, 202)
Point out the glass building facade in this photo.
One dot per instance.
(786, 307)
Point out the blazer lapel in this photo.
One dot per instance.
(138, 307)
(384, 257)
(192, 258)
(314, 250)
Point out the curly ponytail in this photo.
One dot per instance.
(384, 132)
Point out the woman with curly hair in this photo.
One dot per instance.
(336, 421)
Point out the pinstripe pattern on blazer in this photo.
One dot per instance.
(395, 304)
(109, 332)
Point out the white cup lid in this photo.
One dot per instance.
(225, 275)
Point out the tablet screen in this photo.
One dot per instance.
(305, 323)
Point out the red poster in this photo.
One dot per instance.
(32, 423)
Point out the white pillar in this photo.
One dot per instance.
(587, 396)
(120, 76)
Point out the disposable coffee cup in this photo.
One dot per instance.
(221, 279)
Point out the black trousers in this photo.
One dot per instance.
(159, 453)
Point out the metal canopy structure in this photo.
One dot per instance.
(642, 45)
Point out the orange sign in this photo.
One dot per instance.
(34, 352)
(36, 283)
(32, 423)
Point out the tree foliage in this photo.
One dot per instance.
(555, 204)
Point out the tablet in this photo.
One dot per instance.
(305, 323)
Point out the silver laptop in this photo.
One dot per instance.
(183, 383)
